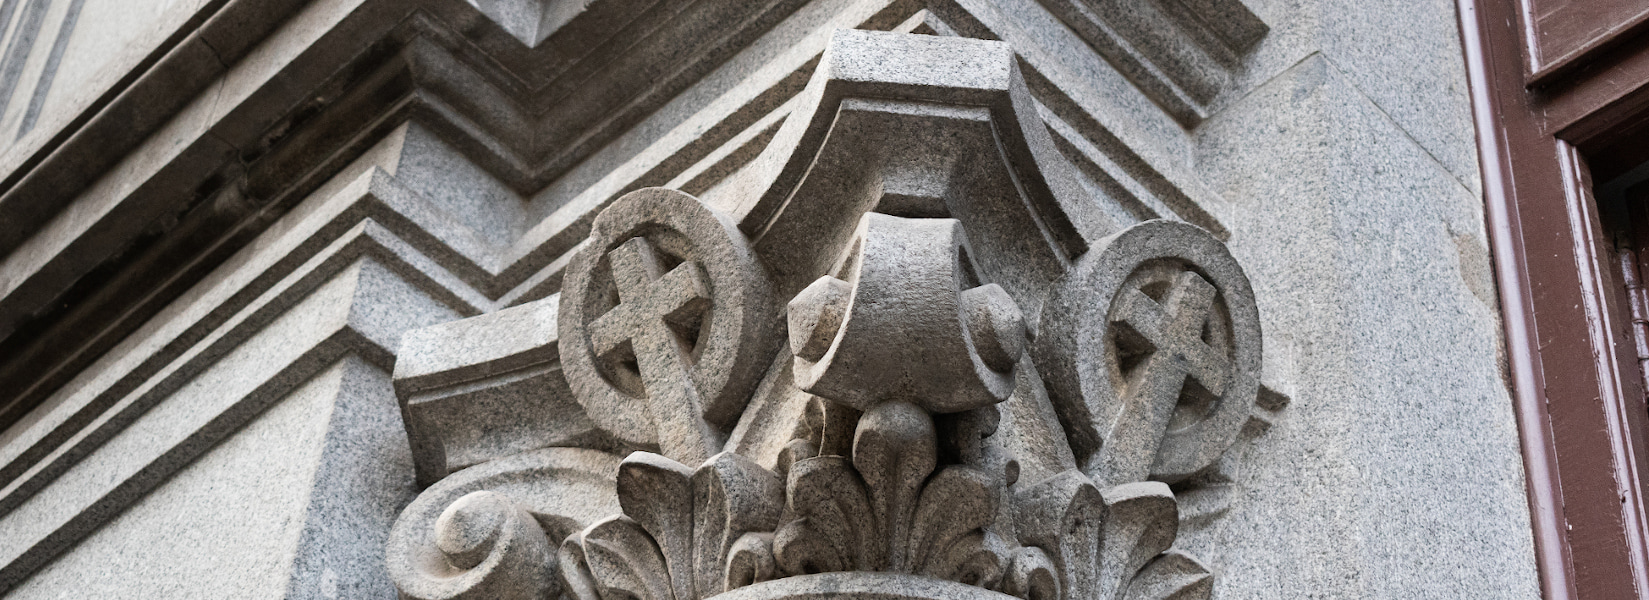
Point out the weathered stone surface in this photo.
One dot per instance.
(1398, 391)
(361, 311)
(1178, 52)
(298, 502)
(149, 191)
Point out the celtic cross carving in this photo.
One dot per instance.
(1180, 372)
(654, 326)
(1175, 365)
(661, 354)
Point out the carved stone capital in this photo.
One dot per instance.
(952, 307)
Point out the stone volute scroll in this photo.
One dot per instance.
(880, 370)
(856, 341)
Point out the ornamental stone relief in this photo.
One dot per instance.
(901, 356)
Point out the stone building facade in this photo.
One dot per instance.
(764, 298)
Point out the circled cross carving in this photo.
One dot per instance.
(1172, 333)
(1168, 321)
(664, 319)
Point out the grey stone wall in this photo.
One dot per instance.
(1351, 187)
(383, 166)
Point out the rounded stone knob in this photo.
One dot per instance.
(995, 326)
(468, 529)
(816, 314)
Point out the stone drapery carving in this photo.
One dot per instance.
(827, 384)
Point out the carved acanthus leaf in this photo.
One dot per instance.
(1141, 522)
(834, 528)
(1065, 515)
(1174, 575)
(692, 533)
(882, 510)
(622, 561)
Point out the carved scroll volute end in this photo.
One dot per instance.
(815, 317)
(996, 327)
(484, 545)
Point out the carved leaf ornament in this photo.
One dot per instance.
(913, 356)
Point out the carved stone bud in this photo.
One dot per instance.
(816, 315)
(995, 326)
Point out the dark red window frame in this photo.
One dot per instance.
(1546, 131)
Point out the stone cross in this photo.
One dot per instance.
(652, 304)
(1172, 333)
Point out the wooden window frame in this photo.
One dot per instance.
(1571, 353)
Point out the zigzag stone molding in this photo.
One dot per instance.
(981, 386)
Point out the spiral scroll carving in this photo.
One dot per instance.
(491, 531)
